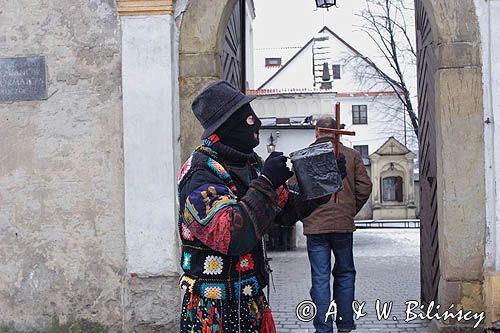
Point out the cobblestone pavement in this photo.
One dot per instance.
(387, 265)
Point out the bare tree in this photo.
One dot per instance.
(386, 23)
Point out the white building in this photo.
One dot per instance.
(326, 71)
(294, 89)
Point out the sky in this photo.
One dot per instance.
(291, 23)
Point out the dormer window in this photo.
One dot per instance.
(273, 62)
(336, 72)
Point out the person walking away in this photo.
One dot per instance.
(330, 229)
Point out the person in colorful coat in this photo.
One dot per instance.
(228, 199)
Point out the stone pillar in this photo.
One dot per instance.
(460, 157)
(410, 181)
(149, 71)
(490, 32)
(375, 172)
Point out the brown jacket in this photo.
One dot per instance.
(339, 217)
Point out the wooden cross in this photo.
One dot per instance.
(337, 133)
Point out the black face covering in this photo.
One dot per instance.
(241, 130)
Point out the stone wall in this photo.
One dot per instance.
(61, 171)
(203, 25)
(460, 167)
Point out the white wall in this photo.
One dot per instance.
(287, 141)
(249, 59)
(150, 150)
(263, 73)
(490, 35)
(385, 119)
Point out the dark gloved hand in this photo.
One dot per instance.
(341, 163)
(276, 170)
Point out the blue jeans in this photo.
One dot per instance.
(319, 249)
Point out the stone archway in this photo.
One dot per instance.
(200, 51)
(452, 108)
(457, 99)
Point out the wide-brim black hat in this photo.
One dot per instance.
(216, 103)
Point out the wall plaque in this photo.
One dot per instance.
(22, 79)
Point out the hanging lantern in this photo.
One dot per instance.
(326, 3)
(271, 147)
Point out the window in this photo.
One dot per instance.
(392, 189)
(363, 150)
(359, 114)
(336, 71)
(272, 62)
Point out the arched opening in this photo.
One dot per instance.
(296, 81)
(450, 91)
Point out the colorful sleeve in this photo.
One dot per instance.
(296, 207)
(219, 220)
(206, 201)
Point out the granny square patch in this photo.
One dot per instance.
(213, 290)
(245, 263)
(186, 233)
(213, 265)
(186, 260)
(249, 287)
(187, 284)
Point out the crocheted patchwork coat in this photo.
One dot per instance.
(223, 216)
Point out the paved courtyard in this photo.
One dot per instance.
(387, 265)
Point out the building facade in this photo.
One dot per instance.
(309, 84)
